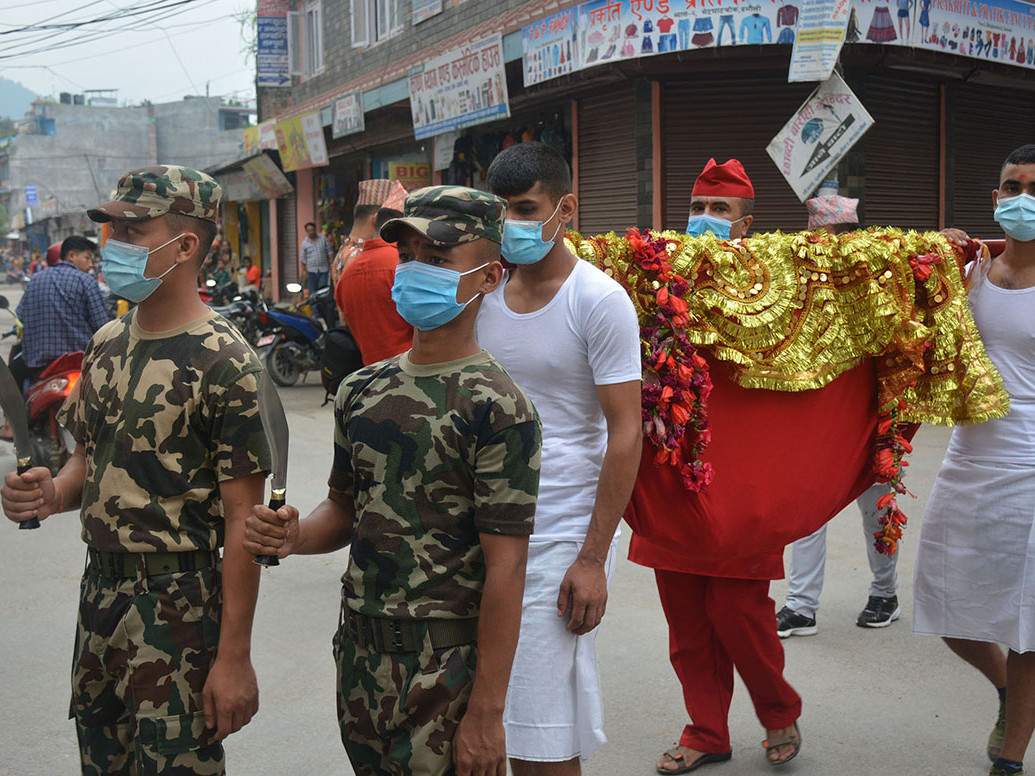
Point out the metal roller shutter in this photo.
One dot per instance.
(901, 153)
(991, 123)
(287, 236)
(607, 161)
(729, 118)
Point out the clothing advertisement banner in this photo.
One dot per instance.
(881, 21)
(993, 30)
(425, 9)
(348, 115)
(811, 144)
(412, 175)
(267, 176)
(272, 67)
(314, 140)
(464, 87)
(821, 34)
(550, 47)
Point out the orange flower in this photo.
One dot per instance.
(662, 296)
(884, 500)
(885, 424)
(680, 413)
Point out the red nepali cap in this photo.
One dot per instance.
(723, 180)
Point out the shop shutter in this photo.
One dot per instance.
(901, 152)
(729, 118)
(607, 161)
(287, 235)
(990, 123)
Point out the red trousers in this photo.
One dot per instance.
(716, 624)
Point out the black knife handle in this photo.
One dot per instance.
(277, 500)
(24, 464)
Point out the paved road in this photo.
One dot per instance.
(876, 702)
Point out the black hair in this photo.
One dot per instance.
(310, 223)
(1023, 155)
(520, 167)
(76, 243)
(202, 228)
(363, 212)
(384, 215)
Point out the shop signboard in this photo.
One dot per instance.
(272, 66)
(348, 115)
(821, 34)
(267, 177)
(425, 9)
(550, 47)
(461, 88)
(888, 22)
(267, 136)
(312, 126)
(32, 197)
(300, 142)
(818, 135)
(412, 175)
(444, 145)
(250, 140)
(992, 30)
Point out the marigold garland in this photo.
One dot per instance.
(792, 312)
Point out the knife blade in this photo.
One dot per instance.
(13, 404)
(275, 426)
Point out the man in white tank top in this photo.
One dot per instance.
(975, 563)
(569, 336)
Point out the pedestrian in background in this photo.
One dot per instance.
(316, 259)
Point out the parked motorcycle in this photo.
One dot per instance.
(241, 312)
(44, 398)
(295, 336)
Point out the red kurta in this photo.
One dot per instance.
(364, 295)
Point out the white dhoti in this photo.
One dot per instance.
(975, 564)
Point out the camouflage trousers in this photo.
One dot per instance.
(143, 650)
(398, 712)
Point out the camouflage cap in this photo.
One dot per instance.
(451, 215)
(154, 191)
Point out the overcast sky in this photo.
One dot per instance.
(172, 48)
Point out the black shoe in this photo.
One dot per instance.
(879, 612)
(790, 623)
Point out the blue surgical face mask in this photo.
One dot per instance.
(523, 241)
(124, 266)
(425, 295)
(1017, 216)
(705, 224)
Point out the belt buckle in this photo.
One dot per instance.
(397, 636)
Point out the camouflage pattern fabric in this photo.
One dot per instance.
(142, 653)
(451, 215)
(398, 713)
(432, 455)
(164, 417)
(154, 191)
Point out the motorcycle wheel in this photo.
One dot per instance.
(281, 364)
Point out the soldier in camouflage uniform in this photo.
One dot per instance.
(434, 483)
(170, 456)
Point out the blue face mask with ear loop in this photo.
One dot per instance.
(124, 265)
(705, 224)
(1017, 216)
(523, 241)
(425, 295)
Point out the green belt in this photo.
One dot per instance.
(386, 636)
(122, 565)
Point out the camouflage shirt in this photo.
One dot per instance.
(164, 417)
(432, 455)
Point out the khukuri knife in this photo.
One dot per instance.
(13, 403)
(274, 423)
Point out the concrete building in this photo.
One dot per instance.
(73, 155)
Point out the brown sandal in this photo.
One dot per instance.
(678, 757)
(792, 738)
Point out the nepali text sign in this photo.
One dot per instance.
(32, 196)
(821, 34)
(467, 86)
(993, 30)
(301, 143)
(312, 126)
(267, 137)
(348, 115)
(425, 9)
(550, 47)
(272, 66)
(412, 175)
(810, 145)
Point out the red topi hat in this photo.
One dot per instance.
(723, 180)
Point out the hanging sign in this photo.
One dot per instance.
(348, 115)
(811, 144)
(272, 67)
(821, 34)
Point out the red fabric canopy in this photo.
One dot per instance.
(785, 464)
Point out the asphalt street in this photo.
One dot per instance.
(875, 701)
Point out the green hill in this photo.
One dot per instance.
(15, 99)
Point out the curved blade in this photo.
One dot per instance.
(14, 408)
(274, 422)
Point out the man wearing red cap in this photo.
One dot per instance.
(719, 612)
(721, 201)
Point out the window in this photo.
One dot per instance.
(305, 39)
(375, 20)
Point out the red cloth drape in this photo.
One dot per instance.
(785, 464)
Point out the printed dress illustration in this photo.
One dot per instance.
(882, 30)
